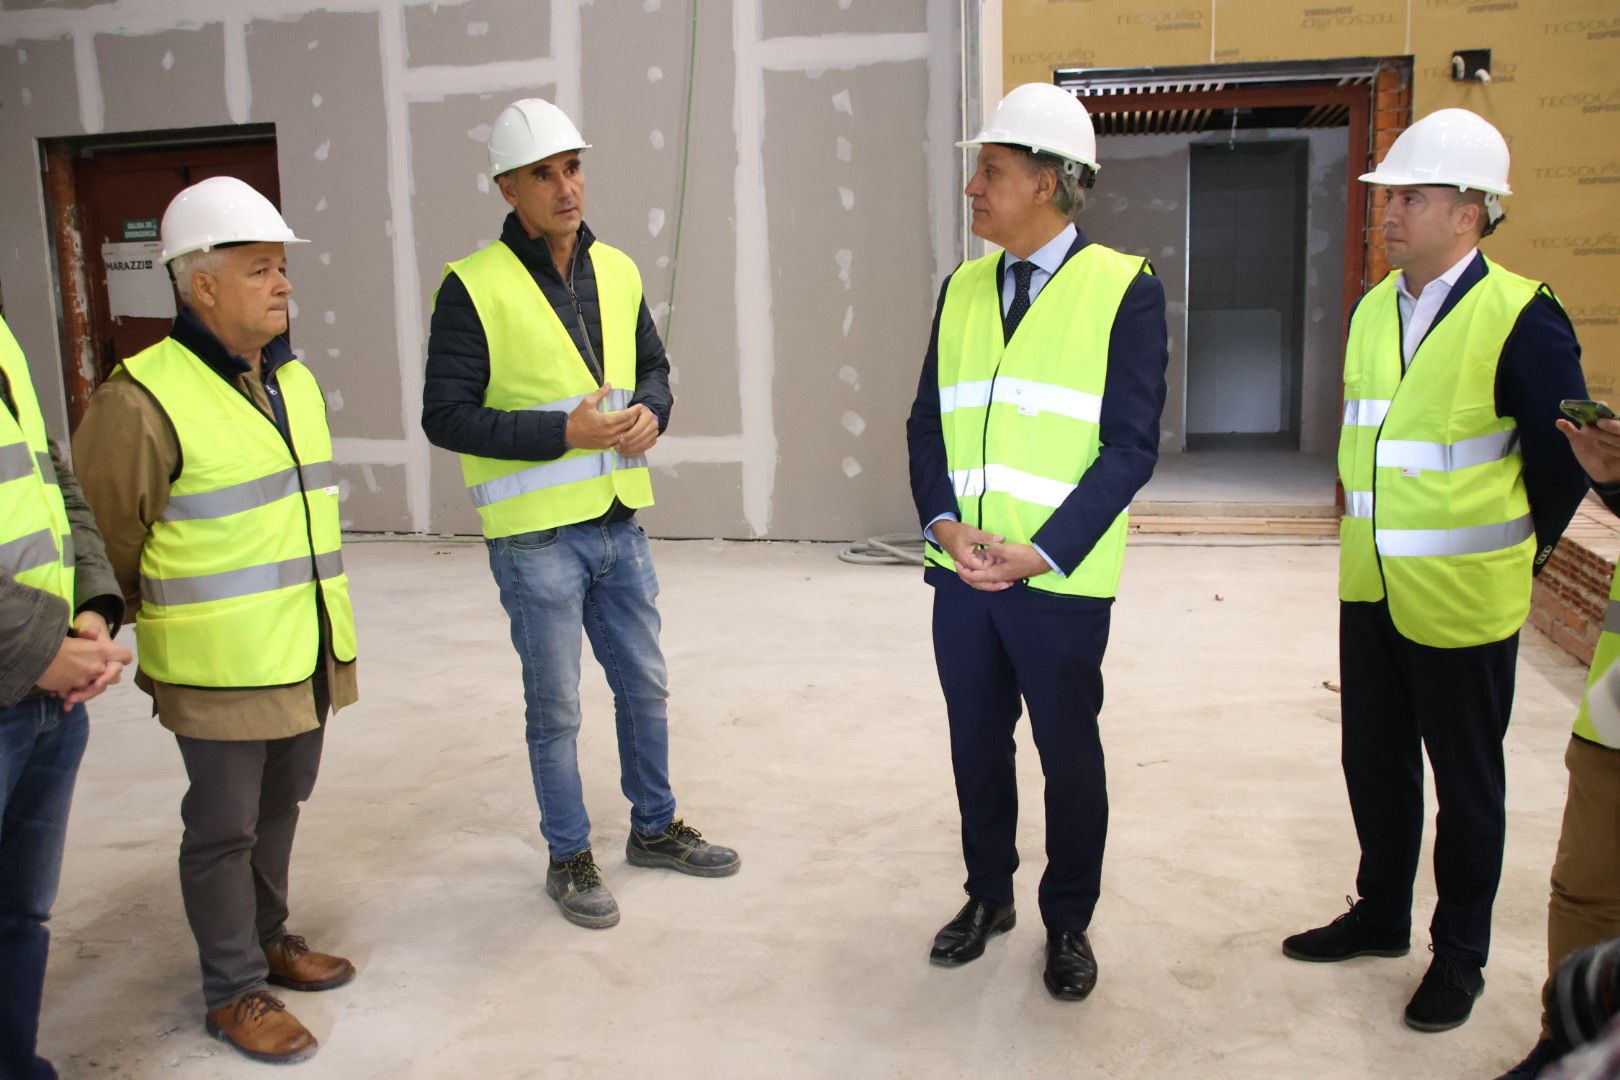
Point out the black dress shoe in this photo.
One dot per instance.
(1348, 936)
(1445, 997)
(962, 939)
(1071, 969)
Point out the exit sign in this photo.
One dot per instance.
(145, 228)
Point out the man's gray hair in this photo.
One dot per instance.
(1069, 193)
(192, 262)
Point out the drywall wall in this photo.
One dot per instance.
(796, 280)
(1554, 93)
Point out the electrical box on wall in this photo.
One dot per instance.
(1469, 65)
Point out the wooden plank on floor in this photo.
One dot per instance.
(1235, 526)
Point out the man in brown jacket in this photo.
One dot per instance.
(208, 463)
(59, 606)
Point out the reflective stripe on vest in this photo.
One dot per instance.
(551, 474)
(1603, 659)
(1465, 541)
(1444, 457)
(534, 365)
(30, 552)
(1470, 540)
(36, 544)
(567, 470)
(1368, 413)
(1019, 418)
(1010, 481)
(19, 460)
(1437, 517)
(250, 494)
(1023, 394)
(229, 584)
(241, 566)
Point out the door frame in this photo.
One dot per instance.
(1357, 99)
(1376, 90)
(65, 224)
(1259, 86)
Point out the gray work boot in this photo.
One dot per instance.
(681, 847)
(576, 885)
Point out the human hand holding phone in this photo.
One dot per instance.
(1594, 436)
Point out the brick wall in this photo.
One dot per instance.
(1570, 597)
(1392, 112)
(1571, 593)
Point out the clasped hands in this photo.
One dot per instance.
(986, 561)
(86, 663)
(631, 432)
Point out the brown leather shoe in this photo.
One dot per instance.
(294, 965)
(259, 1025)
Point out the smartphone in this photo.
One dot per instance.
(1586, 412)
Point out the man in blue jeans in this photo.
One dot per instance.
(546, 375)
(59, 605)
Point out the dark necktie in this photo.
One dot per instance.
(1021, 271)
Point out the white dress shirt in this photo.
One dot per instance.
(1048, 260)
(1418, 312)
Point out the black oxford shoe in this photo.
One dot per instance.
(1071, 969)
(962, 939)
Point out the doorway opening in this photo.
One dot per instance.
(1240, 184)
(1246, 295)
(105, 196)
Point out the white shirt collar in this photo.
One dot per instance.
(1448, 279)
(1049, 257)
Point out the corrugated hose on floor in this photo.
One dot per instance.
(889, 549)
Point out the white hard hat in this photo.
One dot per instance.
(220, 210)
(528, 131)
(1042, 117)
(1451, 148)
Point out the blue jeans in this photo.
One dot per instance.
(40, 749)
(599, 576)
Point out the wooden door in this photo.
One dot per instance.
(121, 199)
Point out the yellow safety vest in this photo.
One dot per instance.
(248, 551)
(1603, 658)
(1020, 417)
(534, 364)
(1436, 514)
(36, 543)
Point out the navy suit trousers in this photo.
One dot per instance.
(997, 651)
(1400, 699)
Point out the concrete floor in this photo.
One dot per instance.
(807, 731)
(1240, 482)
